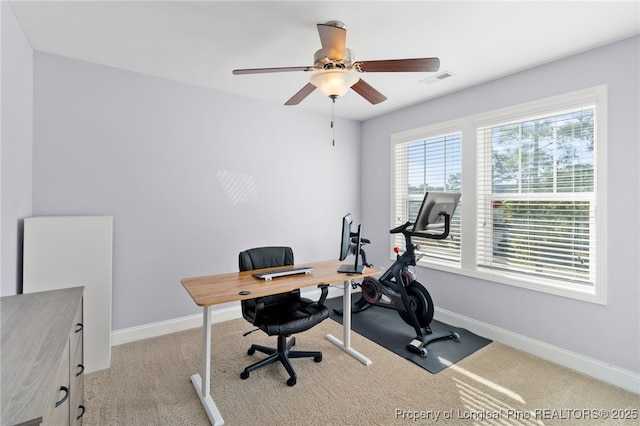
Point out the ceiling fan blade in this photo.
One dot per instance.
(399, 65)
(302, 93)
(333, 39)
(267, 70)
(369, 93)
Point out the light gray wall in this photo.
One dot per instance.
(610, 333)
(16, 146)
(191, 176)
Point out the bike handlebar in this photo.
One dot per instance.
(400, 228)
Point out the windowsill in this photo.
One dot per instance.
(568, 290)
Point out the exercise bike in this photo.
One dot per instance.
(397, 288)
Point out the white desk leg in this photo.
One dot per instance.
(202, 383)
(345, 344)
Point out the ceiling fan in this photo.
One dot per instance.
(334, 70)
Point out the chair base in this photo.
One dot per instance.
(283, 353)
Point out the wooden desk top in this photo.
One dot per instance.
(215, 289)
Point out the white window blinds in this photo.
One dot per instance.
(431, 164)
(536, 196)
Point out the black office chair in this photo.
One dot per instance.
(281, 314)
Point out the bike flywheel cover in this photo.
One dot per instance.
(371, 290)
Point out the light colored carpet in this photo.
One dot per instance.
(149, 384)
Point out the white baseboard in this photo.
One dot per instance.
(607, 373)
(599, 370)
(128, 335)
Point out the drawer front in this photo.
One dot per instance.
(57, 407)
(77, 403)
(77, 330)
(77, 408)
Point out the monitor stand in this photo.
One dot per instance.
(351, 269)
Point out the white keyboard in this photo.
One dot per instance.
(268, 276)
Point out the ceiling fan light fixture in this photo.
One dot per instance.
(335, 82)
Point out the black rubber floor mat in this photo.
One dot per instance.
(386, 328)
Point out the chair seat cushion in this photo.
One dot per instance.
(287, 319)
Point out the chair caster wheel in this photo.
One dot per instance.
(455, 337)
(244, 375)
(317, 358)
(292, 381)
(251, 351)
(423, 352)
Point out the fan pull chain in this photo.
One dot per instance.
(333, 115)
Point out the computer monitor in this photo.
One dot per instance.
(350, 242)
(434, 203)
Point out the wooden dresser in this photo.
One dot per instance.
(42, 358)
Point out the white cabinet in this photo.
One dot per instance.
(69, 251)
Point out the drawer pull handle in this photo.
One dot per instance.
(80, 327)
(64, 398)
(81, 367)
(82, 413)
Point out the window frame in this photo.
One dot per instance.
(468, 127)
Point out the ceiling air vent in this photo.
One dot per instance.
(437, 77)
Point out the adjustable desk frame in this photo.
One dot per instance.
(215, 289)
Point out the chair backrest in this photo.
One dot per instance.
(265, 257)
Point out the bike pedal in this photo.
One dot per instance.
(416, 343)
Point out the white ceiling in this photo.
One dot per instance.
(201, 42)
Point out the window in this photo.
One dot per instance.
(421, 166)
(531, 178)
(536, 196)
